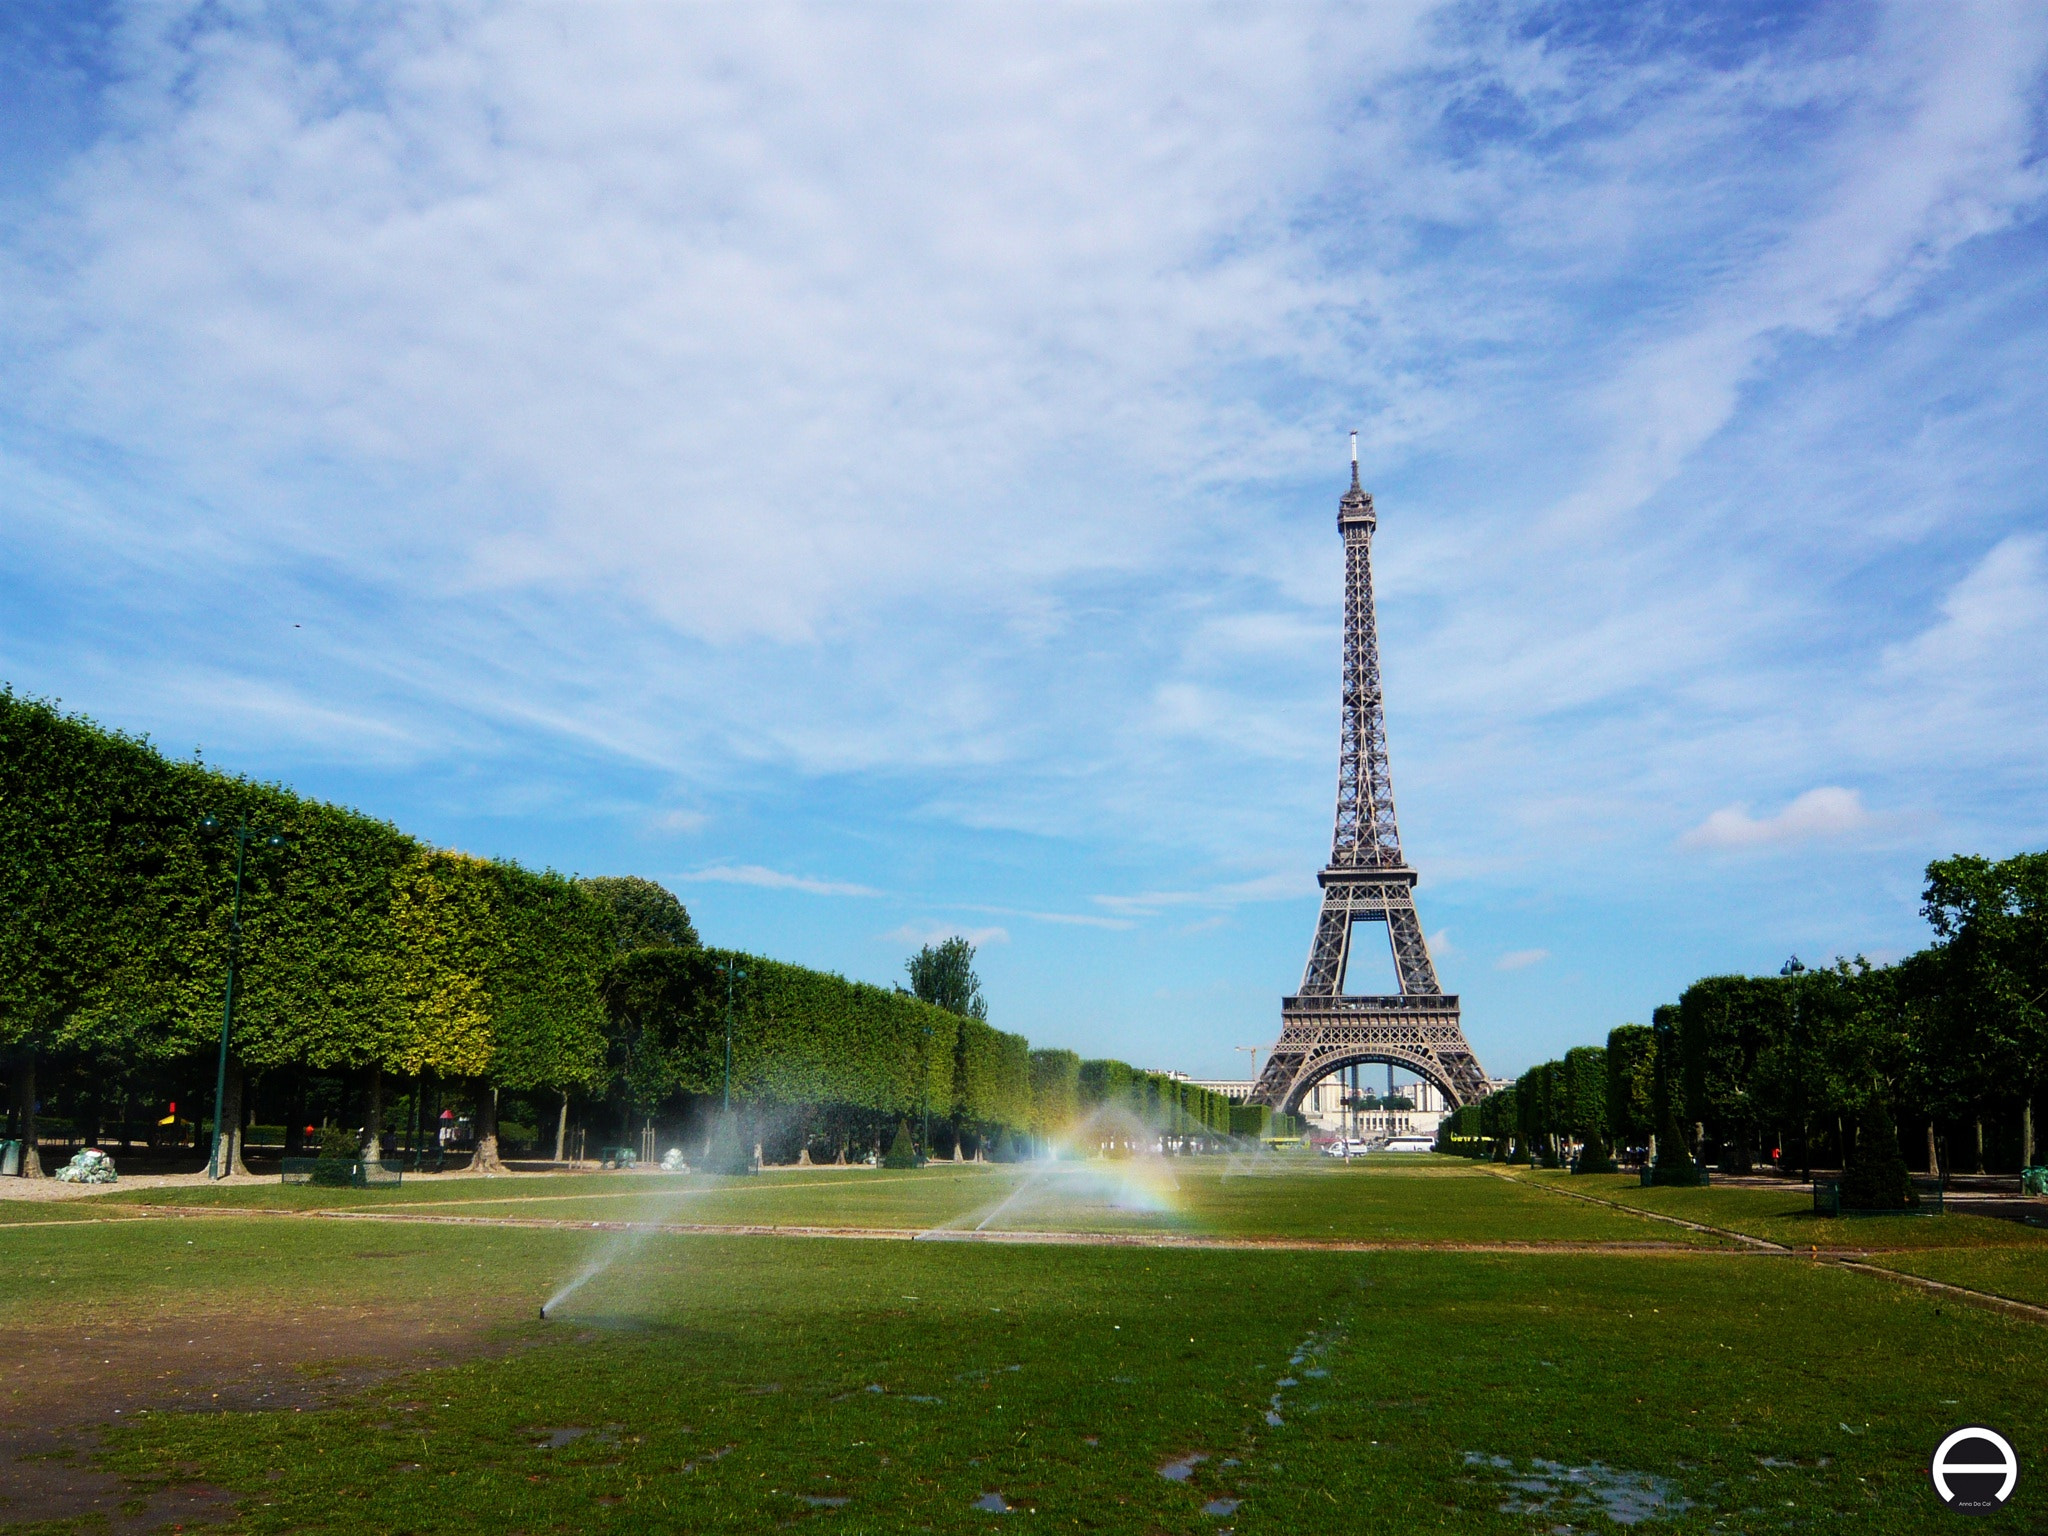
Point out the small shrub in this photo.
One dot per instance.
(1594, 1157)
(1874, 1174)
(902, 1154)
(335, 1142)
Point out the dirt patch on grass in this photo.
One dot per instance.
(61, 1385)
(1012, 1237)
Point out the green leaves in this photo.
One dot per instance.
(643, 915)
(359, 946)
(943, 975)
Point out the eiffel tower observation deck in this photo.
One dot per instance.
(1322, 1028)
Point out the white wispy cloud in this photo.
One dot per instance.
(776, 880)
(1829, 811)
(938, 933)
(1521, 959)
(1278, 886)
(925, 423)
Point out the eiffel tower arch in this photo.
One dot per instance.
(1322, 1029)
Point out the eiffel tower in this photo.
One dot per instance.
(1322, 1030)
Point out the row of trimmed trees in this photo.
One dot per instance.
(379, 978)
(1819, 1067)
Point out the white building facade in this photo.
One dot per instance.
(1324, 1109)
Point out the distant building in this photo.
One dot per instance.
(1323, 1108)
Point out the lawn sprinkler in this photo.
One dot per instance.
(543, 1311)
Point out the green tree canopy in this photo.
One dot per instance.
(942, 974)
(644, 915)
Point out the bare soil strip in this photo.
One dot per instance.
(60, 1383)
(1635, 1210)
(621, 1194)
(1989, 1299)
(1850, 1258)
(1010, 1237)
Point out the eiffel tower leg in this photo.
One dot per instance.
(1330, 955)
(1411, 953)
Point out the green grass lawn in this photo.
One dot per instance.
(743, 1383)
(2017, 1273)
(1786, 1215)
(1428, 1200)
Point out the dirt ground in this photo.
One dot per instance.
(61, 1386)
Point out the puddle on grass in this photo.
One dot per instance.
(718, 1455)
(570, 1434)
(1181, 1470)
(1221, 1507)
(1551, 1487)
(1794, 1463)
(992, 1504)
(826, 1500)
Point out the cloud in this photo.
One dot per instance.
(1059, 919)
(1521, 959)
(776, 880)
(1279, 886)
(917, 429)
(679, 821)
(1993, 625)
(1826, 812)
(937, 933)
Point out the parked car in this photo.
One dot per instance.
(1343, 1147)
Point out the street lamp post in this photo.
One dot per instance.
(243, 832)
(733, 973)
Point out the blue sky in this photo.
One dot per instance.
(874, 469)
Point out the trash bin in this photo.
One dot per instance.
(10, 1159)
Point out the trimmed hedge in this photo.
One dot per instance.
(363, 948)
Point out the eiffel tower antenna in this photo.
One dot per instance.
(1322, 1028)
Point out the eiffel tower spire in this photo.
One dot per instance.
(1322, 1028)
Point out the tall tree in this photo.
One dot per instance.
(943, 974)
(644, 915)
(1990, 920)
(1632, 1084)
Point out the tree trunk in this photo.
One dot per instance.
(231, 1118)
(2027, 1134)
(1736, 1156)
(295, 1115)
(1980, 1144)
(372, 1149)
(487, 1159)
(25, 1111)
(1933, 1154)
(562, 1128)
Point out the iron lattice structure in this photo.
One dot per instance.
(1322, 1030)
